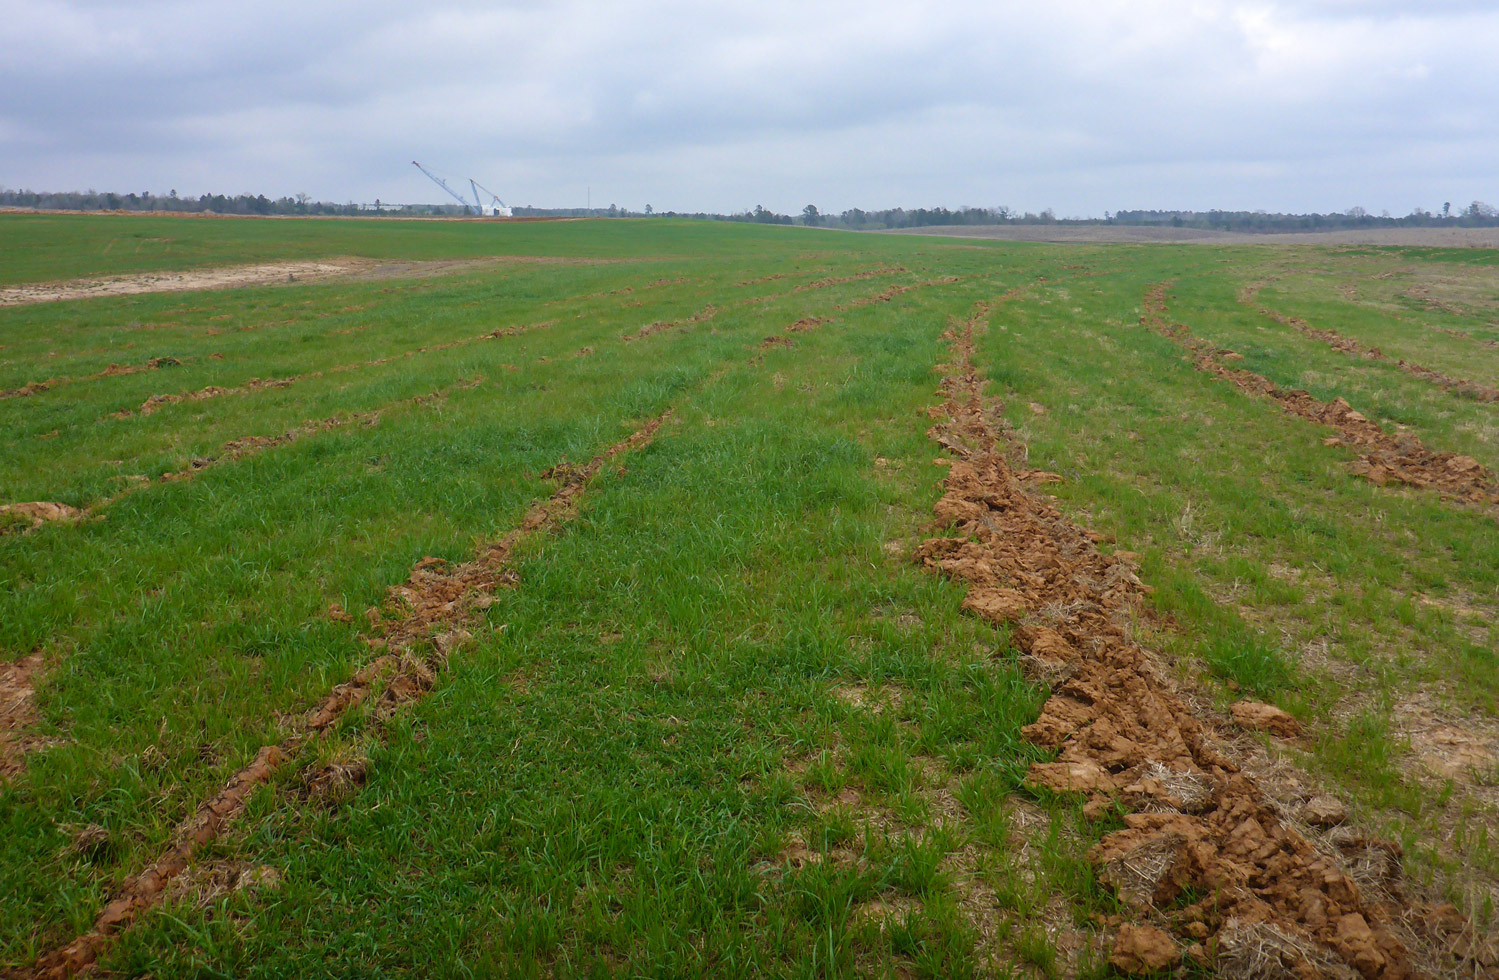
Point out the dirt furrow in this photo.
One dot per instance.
(1335, 340)
(1385, 458)
(113, 371)
(824, 283)
(1216, 876)
(686, 323)
(888, 294)
(154, 402)
(425, 620)
(30, 516)
(17, 712)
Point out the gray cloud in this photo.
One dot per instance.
(1080, 105)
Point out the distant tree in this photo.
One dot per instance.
(1447, 209)
(648, 210)
(810, 215)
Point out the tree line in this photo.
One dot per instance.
(1476, 214)
(245, 204)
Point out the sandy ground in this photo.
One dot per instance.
(1104, 234)
(229, 277)
(171, 282)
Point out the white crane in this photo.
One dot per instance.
(444, 185)
(497, 207)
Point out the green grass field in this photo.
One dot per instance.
(720, 723)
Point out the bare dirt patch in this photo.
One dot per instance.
(1203, 855)
(889, 293)
(701, 316)
(171, 282)
(32, 515)
(1385, 458)
(424, 623)
(17, 712)
(265, 274)
(113, 371)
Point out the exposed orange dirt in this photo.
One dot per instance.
(888, 294)
(17, 712)
(113, 371)
(1385, 458)
(424, 622)
(823, 283)
(1335, 340)
(38, 512)
(701, 316)
(1203, 854)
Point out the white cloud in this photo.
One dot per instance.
(1080, 105)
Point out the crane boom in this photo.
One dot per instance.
(477, 203)
(487, 191)
(444, 185)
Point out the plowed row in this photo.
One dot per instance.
(40, 512)
(426, 621)
(659, 326)
(1335, 340)
(1385, 458)
(1203, 856)
(154, 402)
(113, 371)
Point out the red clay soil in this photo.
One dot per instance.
(113, 371)
(38, 512)
(824, 283)
(762, 279)
(1385, 458)
(701, 316)
(888, 294)
(1335, 340)
(1202, 854)
(17, 712)
(426, 621)
(33, 388)
(856, 277)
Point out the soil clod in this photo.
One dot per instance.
(1260, 717)
(1385, 458)
(17, 712)
(1200, 839)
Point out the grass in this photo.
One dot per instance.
(726, 657)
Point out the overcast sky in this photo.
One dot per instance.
(1078, 105)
